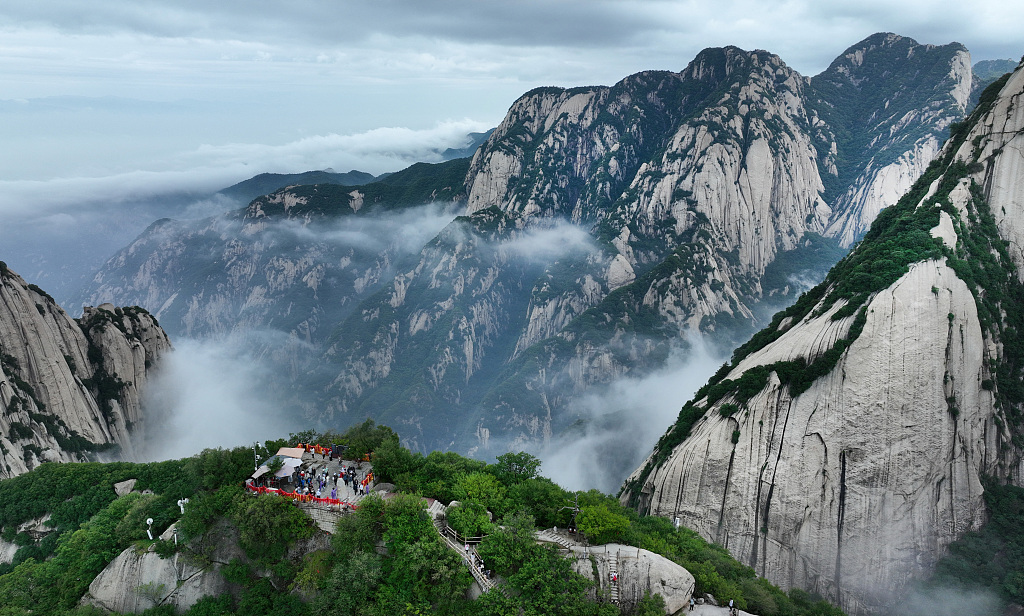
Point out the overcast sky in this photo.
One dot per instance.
(116, 95)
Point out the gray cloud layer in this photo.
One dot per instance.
(106, 88)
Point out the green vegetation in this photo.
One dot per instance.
(415, 574)
(600, 524)
(267, 525)
(899, 237)
(266, 183)
(418, 184)
(991, 558)
(55, 585)
(386, 558)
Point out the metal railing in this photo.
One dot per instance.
(461, 545)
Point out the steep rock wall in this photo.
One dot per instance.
(856, 485)
(878, 157)
(878, 188)
(69, 388)
(857, 482)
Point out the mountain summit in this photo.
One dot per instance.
(70, 388)
(597, 228)
(845, 445)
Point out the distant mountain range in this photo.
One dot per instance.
(266, 183)
(597, 228)
(601, 234)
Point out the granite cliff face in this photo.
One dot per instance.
(847, 444)
(601, 226)
(69, 388)
(704, 229)
(879, 156)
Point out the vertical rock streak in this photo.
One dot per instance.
(69, 389)
(920, 399)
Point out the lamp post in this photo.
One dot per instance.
(181, 504)
(255, 456)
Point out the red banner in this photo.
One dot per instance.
(302, 498)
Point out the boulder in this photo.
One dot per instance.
(639, 572)
(136, 581)
(124, 487)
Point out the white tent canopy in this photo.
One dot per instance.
(288, 465)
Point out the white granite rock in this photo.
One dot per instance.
(859, 483)
(134, 582)
(640, 572)
(47, 350)
(124, 487)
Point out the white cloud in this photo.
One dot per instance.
(211, 394)
(233, 73)
(406, 230)
(212, 167)
(623, 421)
(948, 602)
(547, 244)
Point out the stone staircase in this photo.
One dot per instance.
(553, 537)
(613, 578)
(466, 556)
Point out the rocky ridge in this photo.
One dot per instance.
(601, 225)
(848, 443)
(692, 186)
(886, 151)
(69, 389)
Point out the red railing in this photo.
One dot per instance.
(302, 498)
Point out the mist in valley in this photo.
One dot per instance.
(620, 422)
(209, 394)
(58, 230)
(274, 379)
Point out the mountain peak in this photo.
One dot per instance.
(852, 434)
(69, 388)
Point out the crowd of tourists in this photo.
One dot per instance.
(304, 480)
